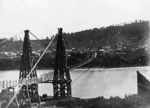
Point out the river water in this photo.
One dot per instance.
(93, 82)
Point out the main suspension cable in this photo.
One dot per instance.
(11, 37)
(40, 40)
(66, 42)
(83, 63)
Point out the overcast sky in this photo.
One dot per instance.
(43, 17)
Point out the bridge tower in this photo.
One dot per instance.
(29, 92)
(61, 79)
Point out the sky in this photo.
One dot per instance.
(43, 17)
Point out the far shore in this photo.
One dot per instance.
(86, 68)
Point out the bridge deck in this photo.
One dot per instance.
(14, 83)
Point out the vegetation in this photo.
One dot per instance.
(115, 36)
(133, 34)
(131, 101)
(134, 58)
(119, 46)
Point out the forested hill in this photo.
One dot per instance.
(116, 36)
(15, 46)
(133, 34)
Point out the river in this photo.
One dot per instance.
(93, 82)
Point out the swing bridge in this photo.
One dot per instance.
(28, 80)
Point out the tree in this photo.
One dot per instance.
(12, 39)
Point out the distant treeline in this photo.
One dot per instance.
(106, 60)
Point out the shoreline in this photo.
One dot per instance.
(85, 68)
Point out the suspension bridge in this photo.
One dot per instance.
(28, 80)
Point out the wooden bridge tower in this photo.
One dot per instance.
(61, 79)
(29, 92)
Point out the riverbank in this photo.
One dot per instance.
(130, 101)
(103, 59)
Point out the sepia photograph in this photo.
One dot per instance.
(74, 54)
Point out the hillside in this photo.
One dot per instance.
(116, 36)
(133, 34)
(15, 46)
